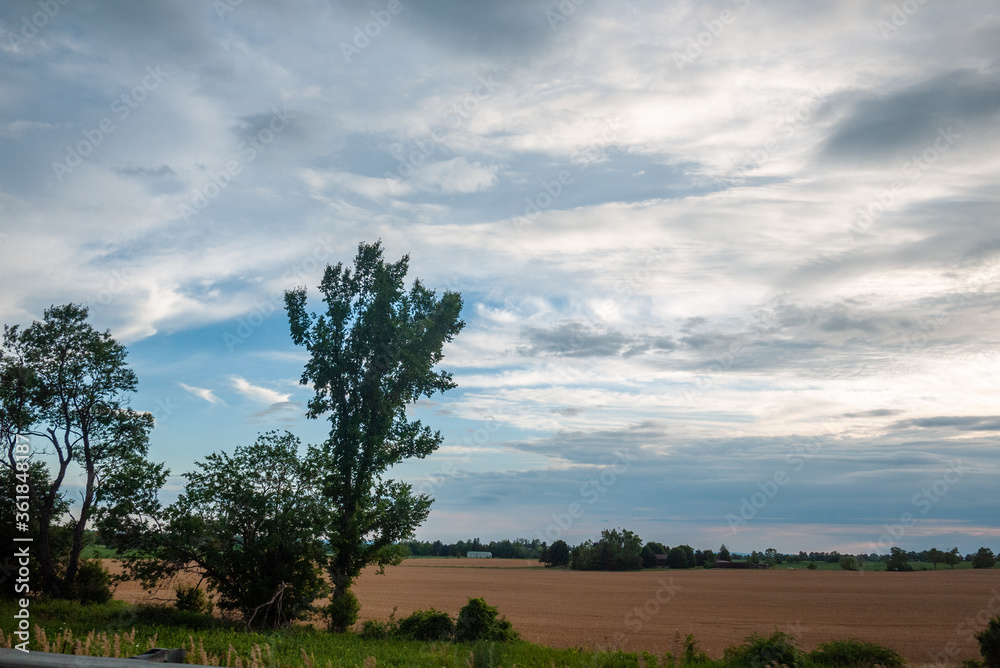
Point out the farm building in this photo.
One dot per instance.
(479, 555)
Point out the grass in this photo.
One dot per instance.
(123, 630)
(120, 629)
(98, 552)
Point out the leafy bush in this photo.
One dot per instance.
(478, 621)
(427, 625)
(758, 651)
(193, 599)
(984, 558)
(373, 629)
(849, 563)
(92, 583)
(693, 654)
(989, 643)
(812, 566)
(850, 653)
(342, 611)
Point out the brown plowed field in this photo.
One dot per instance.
(918, 613)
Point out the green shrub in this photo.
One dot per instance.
(693, 654)
(193, 599)
(478, 621)
(851, 653)
(989, 643)
(427, 625)
(342, 612)
(849, 563)
(92, 583)
(758, 651)
(812, 566)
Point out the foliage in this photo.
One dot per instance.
(812, 566)
(989, 643)
(681, 556)
(60, 536)
(849, 563)
(649, 552)
(692, 653)
(856, 653)
(479, 621)
(724, 554)
(427, 625)
(372, 352)
(557, 554)
(92, 583)
(984, 558)
(192, 598)
(342, 611)
(898, 560)
(617, 550)
(758, 651)
(249, 523)
(67, 385)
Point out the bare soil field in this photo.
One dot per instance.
(918, 613)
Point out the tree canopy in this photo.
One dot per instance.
(373, 351)
(67, 386)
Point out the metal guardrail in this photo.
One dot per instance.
(13, 658)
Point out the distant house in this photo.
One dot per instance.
(661, 560)
(479, 555)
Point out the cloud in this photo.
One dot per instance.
(964, 423)
(259, 394)
(575, 339)
(201, 393)
(887, 126)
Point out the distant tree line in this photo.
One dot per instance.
(623, 550)
(519, 548)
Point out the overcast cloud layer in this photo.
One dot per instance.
(731, 269)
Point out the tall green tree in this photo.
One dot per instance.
(67, 387)
(373, 351)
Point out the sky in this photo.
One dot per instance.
(730, 269)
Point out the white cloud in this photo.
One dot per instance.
(202, 393)
(256, 393)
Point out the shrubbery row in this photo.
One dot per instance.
(476, 621)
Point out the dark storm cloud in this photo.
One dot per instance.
(878, 127)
